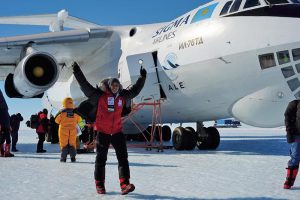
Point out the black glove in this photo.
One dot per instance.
(75, 67)
(143, 72)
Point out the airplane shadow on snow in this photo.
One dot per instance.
(231, 145)
(53, 154)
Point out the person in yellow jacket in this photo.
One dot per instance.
(67, 132)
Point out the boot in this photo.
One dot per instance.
(64, 154)
(41, 151)
(14, 149)
(100, 187)
(1, 150)
(7, 151)
(72, 151)
(126, 186)
(290, 177)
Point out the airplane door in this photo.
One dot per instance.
(152, 89)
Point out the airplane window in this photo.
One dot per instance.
(226, 8)
(296, 54)
(251, 3)
(297, 95)
(298, 67)
(288, 72)
(283, 57)
(278, 1)
(235, 6)
(267, 60)
(294, 84)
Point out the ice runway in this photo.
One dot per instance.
(249, 164)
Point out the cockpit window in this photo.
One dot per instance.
(235, 6)
(277, 1)
(226, 8)
(251, 3)
(267, 61)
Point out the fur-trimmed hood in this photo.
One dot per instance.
(104, 85)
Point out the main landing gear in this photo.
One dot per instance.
(204, 138)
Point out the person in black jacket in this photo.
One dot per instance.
(104, 107)
(4, 128)
(292, 123)
(53, 130)
(15, 120)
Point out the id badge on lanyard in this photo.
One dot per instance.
(111, 104)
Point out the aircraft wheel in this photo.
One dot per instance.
(211, 140)
(156, 133)
(166, 131)
(191, 138)
(179, 138)
(140, 137)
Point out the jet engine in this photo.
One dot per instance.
(35, 73)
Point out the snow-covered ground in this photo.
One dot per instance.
(249, 164)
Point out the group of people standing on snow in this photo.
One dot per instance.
(9, 128)
(104, 107)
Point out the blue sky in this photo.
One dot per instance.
(103, 12)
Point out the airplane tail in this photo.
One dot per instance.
(56, 22)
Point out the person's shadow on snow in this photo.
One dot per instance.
(134, 195)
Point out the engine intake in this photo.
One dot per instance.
(36, 73)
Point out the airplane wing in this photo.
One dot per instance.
(31, 64)
(63, 46)
(11, 47)
(56, 22)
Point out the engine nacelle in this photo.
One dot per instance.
(36, 73)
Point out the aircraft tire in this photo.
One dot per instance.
(156, 133)
(166, 131)
(147, 133)
(179, 138)
(212, 141)
(191, 139)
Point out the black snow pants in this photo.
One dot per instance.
(14, 138)
(118, 141)
(40, 144)
(5, 136)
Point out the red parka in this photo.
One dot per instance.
(108, 119)
(43, 123)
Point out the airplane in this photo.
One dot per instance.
(226, 58)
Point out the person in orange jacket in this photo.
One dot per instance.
(67, 132)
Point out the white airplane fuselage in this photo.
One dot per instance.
(215, 71)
